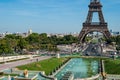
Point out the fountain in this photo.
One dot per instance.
(26, 76)
(80, 68)
(25, 73)
(9, 77)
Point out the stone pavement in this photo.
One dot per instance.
(22, 62)
(8, 58)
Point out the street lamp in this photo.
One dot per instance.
(3, 57)
(114, 56)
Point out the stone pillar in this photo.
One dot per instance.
(55, 78)
(114, 56)
(58, 55)
(43, 72)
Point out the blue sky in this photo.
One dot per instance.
(52, 16)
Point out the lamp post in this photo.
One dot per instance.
(114, 56)
(3, 57)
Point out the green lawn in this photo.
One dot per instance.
(95, 40)
(46, 65)
(112, 66)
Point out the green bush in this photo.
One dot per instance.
(1, 73)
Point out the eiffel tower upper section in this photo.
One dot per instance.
(89, 26)
(95, 6)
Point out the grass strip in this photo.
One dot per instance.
(112, 66)
(47, 65)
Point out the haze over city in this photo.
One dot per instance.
(52, 16)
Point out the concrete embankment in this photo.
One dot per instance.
(9, 58)
(90, 78)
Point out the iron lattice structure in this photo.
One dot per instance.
(89, 26)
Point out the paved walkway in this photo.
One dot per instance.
(113, 77)
(22, 62)
(9, 58)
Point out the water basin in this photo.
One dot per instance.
(80, 67)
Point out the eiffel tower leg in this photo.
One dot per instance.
(89, 17)
(81, 36)
(107, 34)
(101, 18)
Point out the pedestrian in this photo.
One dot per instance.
(37, 59)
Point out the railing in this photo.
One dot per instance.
(94, 23)
(14, 71)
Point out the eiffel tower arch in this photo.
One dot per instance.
(89, 26)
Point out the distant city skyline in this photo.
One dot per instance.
(53, 16)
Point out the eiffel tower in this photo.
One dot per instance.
(89, 26)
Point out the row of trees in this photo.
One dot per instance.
(12, 43)
(115, 40)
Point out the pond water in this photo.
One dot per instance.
(80, 67)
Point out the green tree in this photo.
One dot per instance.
(5, 47)
(44, 39)
(21, 44)
(33, 38)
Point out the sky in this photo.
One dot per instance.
(53, 16)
